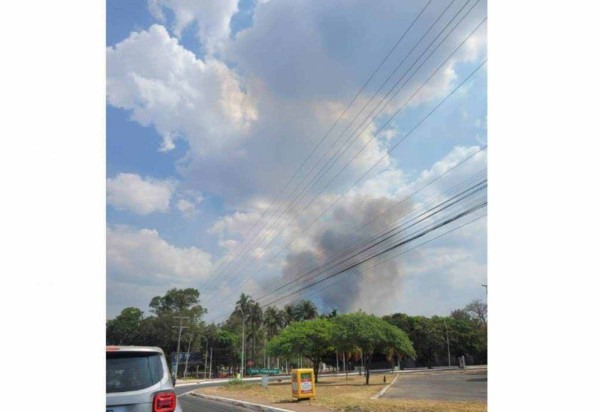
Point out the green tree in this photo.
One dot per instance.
(369, 333)
(288, 314)
(311, 339)
(255, 320)
(242, 312)
(224, 346)
(178, 301)
(273, 321)
(305, 310)
(125, 329)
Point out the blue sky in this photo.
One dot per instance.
(212, 107)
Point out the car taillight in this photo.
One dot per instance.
(164, 402)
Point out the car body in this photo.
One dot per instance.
(138, 380)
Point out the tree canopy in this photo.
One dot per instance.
(369, 333)
(311, 339)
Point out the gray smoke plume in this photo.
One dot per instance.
(363, 287)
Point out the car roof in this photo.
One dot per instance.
(122, 348)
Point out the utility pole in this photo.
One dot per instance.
(210, 367)
(188, 356)
(206, 359)
(448, 341)
(181, 327)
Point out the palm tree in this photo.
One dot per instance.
(288, 314)
(305, 310)
(242, 307)
(254, 319)
(274, 321)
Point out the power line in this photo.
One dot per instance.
(394, 231)
(391, 148)
(381, 243)
(385, 125)
(414, 193)
(291, 204)
(369, 244)
(340, 116)
(401, 243)
(394, 256)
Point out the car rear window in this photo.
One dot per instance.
(132, 371)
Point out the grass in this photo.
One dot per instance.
(339, 394)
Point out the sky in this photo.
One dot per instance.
(212, 108)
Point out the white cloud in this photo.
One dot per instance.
(143, 256)
(212, 18)
(167, 87)
(131, 192)
(457, 155)
(251, 122)
(188, 209)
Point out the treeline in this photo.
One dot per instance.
(297, 335)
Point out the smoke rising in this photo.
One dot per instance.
(363, 287)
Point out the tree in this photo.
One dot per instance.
(125, 329)
(224, 346)
(178, 301)
(460, 314)
(466, 334)
(255, 319)
(478, 309)
(273, 321)
(369, 333)
(311, 339)
(288, 314)
(242, 310)
(305, 310)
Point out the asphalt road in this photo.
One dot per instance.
(191, 403)
(443, 386)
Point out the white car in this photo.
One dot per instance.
(137, 380)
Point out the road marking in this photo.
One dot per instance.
(381, 392)
(243, 403)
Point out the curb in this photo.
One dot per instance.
(243, 404)
(381, 392)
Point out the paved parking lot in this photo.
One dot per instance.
(443, 386)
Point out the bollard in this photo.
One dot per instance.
(384, 379)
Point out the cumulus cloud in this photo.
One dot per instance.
(210, 17)
(255, 107)
(141, 265)
(143, 253)
(128, 191)
(188, 203)
(322, 49)
(167, 87)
